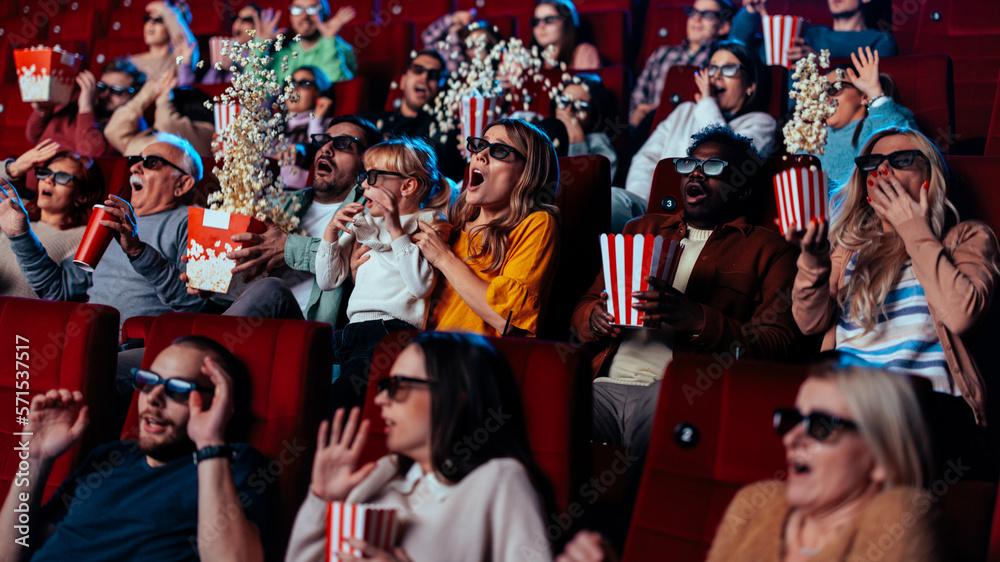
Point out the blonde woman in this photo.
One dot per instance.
(858, 454)
(392, 287)
(499, 267)
(900, 288)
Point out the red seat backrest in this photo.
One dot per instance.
(679, 87)
(584, 201)
(383, 53)
(665, 25)
(50, 345)
(993, 138)
(107, 48)
(290, 362)
(711, 434)
(350, 97)
(665, 193)
(555, 386)
(610, 30)
(14, 119)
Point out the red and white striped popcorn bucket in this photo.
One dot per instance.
(778, 34)
(225, 115)
(215, 50)
(628, 260)
(477, 113)
(46, 75)
(376, 525)
(802, 196)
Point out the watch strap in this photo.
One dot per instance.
(214, 451)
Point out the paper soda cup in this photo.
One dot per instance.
(96, 239)
(628, 260)
(209, 240)
(778, 34)
(477, 113)
(225, 115)
(802, 196)
(46, 75)
(376, 525)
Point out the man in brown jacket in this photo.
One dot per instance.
(731, 296)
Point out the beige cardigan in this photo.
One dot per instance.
(493, 514)
(957, 276)
(896, 526)
(124, 135)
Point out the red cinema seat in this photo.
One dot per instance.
(14, 119)
(762, 208)
(494, 7)
(395, 98)
(905, 19)
(59, 345)
(8, 75)
(993, 138)
(383, 52)
(126, 23)
(610, 30)
(969, 32)
(210, 18)
(290, 362)
(712, 434)
(679, 87)
(422, 13)
(350, 97)
(555, 385)
(80, 28)
(665, 25)
(584, 202)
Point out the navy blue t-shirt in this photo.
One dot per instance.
(117, 507)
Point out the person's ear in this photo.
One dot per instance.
(724, 29)
(410, 187)
(185, 184)
(879, 475)
(751, 90)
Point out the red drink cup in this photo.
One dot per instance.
(95, 240)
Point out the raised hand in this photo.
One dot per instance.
(345, 215)
(434, 250)
(267, 25)
(88, 91)
(332, 26)
(866, 79)
(756, 6)
(640, 113)
(601, 320)
(126, 225)
(335, 468)
(13, 215)
(207, 427)
(385, 200)
(704, 85)
(799, 50)
(36, 156)
(56, 420)
(892, 202)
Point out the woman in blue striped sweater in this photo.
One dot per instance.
(905, 282)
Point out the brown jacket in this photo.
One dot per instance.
(742, 281)
(896, 526)
(957, 278)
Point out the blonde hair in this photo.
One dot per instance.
(534, 191)
(414, 158)
(889, 418)
(881, 255)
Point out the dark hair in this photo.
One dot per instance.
(435, 54)
(888, 86)
(90, 191)
(123, 65)
(598, 100)
(370, 135)
(238, 427)
(571, 26)
(740, 146)
(757, 74)
(319, 77)
(481, 25)
(726, 9)
(190, 102)
(473, 382)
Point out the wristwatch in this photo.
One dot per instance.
(214, 451)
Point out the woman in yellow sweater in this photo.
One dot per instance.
(499, 267)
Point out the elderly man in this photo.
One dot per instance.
(139, 274)
(420, 84)
(152, 502)
(320, 45)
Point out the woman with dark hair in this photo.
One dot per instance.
(580, 105)
(866, 102)
(555, 31)
(442, 391)
(69, 185)
(505, 240)
(732, 90)
(458, 38)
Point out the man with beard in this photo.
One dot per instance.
(853, 22)
(319, 45)
(140, 274)
(147, 500)
(79, 125)
(290, 259)
(421, 84)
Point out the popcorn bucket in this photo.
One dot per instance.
(778, 34)
(376, 525)
(96, 239)
(209, 240)
(215, 50)
(225, 114)
(46, 75)
(477, 113)
(802, 196)
(628, 260)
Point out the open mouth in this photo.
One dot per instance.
(324, 166)
(695, 193)
(476, 178)
(420, 90)
(154, 425)
(45, 193)
(137, 183)
(716, 92)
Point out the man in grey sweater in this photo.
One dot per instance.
(140, 275)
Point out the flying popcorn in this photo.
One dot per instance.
(806, 130)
